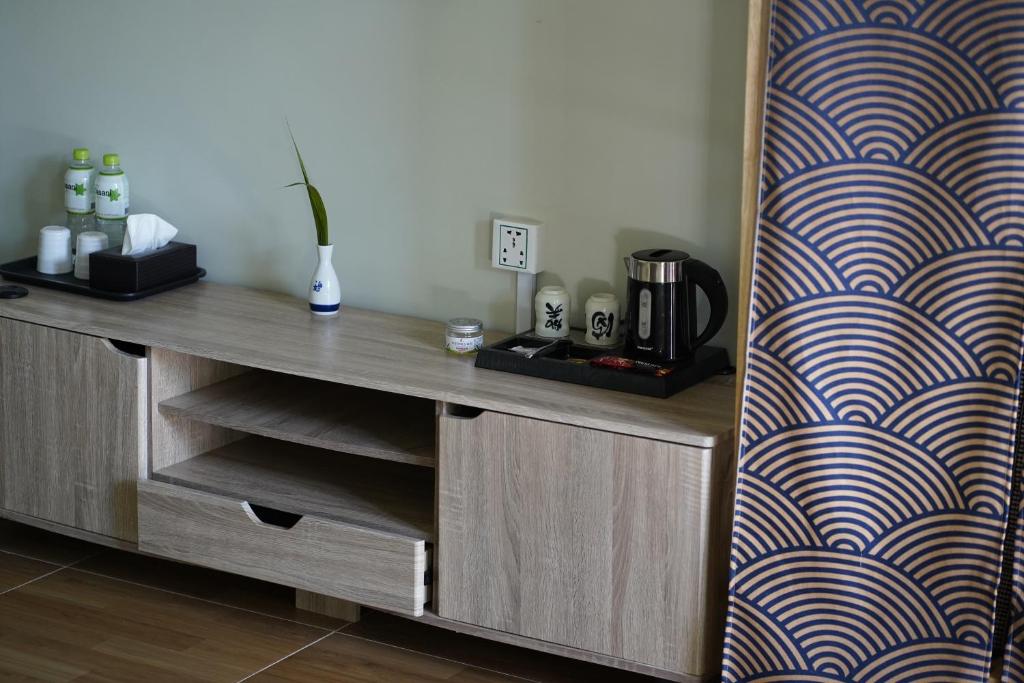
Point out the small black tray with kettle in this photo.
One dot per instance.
(663, 351)
(567, 361)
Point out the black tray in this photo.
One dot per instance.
(25, 271)
(554, 363)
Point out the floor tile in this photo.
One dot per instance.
(78, 626)
(206, 584)
(16, 570)
(28, 541)
(485, 653)
(344, 659)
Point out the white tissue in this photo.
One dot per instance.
(146, 232)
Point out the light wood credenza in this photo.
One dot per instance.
(354, 460)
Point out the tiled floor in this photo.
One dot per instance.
(71, 611)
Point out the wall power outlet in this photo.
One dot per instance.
(515, 245)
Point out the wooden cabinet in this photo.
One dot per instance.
(72, 428)
(594, 540)
(591, 524)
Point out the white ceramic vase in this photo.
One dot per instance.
(551, 306)
(324, 290)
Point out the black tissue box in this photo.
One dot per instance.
(112, 272)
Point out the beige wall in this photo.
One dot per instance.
(616, 122)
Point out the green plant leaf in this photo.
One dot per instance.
(316, 202)
(302, 165)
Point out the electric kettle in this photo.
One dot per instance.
(662, 304)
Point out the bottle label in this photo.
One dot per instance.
(78, 190)
(111, 196)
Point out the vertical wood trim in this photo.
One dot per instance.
(714, 582)
(758, 22)
(440, 410)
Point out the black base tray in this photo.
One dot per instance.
(553, 363)
(25, 271)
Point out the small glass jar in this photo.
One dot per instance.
(464, 336)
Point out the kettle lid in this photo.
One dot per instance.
(657, 265)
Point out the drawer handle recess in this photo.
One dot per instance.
(271, 517)
(460, 412)
(123, 348)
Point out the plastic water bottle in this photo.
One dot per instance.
(79, 198)
(112, 199)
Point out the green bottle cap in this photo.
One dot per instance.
(80, 154)
(111, 160)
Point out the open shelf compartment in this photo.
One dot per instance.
(314, 413)
(325, 488)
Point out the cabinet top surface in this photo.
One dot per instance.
(392, 353)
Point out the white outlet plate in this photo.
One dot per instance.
(515, 245)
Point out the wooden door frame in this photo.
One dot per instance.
(758, 22)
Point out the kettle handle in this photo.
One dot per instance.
(710, 280)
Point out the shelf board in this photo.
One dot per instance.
(334, 417)
(376, 494)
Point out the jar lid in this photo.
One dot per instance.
(465, 325)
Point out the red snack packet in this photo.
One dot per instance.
(629, 365)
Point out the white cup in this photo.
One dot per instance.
(88, 242)
(54, 256)
(602, 320)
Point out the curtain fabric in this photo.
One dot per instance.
(881, 398)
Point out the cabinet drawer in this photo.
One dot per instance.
(366, 566)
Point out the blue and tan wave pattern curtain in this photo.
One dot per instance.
(881, 397)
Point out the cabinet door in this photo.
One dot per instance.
(72, 428)
(598, 541)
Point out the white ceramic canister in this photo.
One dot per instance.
(602, 319)
(551, 306)
(324, 288)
